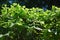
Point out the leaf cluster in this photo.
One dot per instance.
(20, 23)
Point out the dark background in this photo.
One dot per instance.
(45, 4)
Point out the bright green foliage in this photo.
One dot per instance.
(20, 23)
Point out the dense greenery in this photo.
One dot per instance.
(20, 23)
